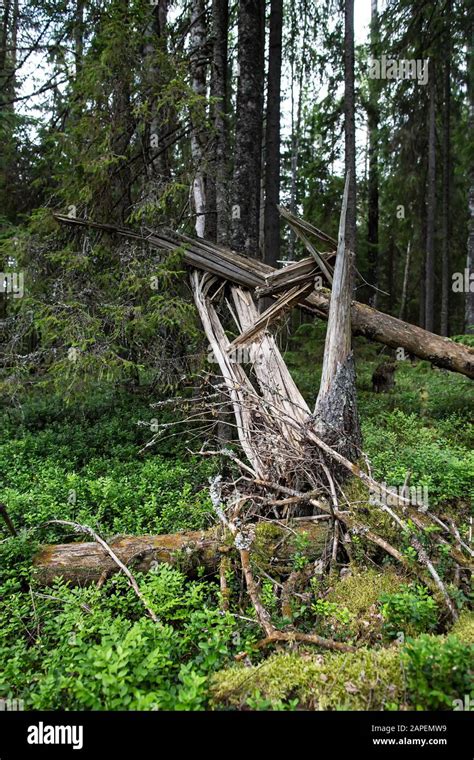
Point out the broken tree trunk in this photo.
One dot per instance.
(336, 416)
(268, 411)
(85, 563)
(250, 273)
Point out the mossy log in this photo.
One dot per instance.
(85, 563)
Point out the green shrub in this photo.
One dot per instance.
(333, 620)
(89, 648)
(397, 443)
(438, 671)
(410, 611)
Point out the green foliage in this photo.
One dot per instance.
(268, 596)
(410, 611)
(88, 648)
(466, 340)
(257, 702)
(84, 466)
(397, 442)
(302, 543)
(332, 620)
(94, 649)
(438, 671)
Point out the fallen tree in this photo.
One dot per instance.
(88, 562)
(254, 274)
(293, 458)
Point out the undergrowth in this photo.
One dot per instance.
(95, 648)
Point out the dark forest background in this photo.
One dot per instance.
(201, 117)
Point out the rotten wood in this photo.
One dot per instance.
(88, 562)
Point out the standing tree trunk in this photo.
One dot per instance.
(79, 35)
(5, 95)
(430, 205)
(421, 207)
(349, 124)
(161, 117)
(296, 120)
(272, 138)
(373, 183)
(445, 218)
(391, 274)
(217, 222)
(406, 271)
(197, 44)
(248, 128)
(217, 185)
(469, 303)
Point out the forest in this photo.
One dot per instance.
(237, 354)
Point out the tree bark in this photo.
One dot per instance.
(296, 120)
(122, 129)
(445, 219)
(9, 156)
(391, 273)
(469, 299)
(393, 332)
(430, 204)
(405, 282)
(272, 138)
(337, 419)
(160, 119)
(85, 563)
(217, 223)
(349, 122)
(79, 35)
(197, 41)
(248, 128)
(373, 180)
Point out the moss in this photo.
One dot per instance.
(362, 588)
(369, 679)
(265, 534)
(273, 547)
(464, 627)
(359, 593)
(370, 514)
(356, 490)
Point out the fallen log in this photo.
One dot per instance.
(86, 563)
(251, 273)
(393, 332)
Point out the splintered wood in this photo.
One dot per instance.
(295, 460)
(255, 275)
(264, 414)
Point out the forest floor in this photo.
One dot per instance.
(94, 647)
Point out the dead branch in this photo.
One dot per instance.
(243, 538)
